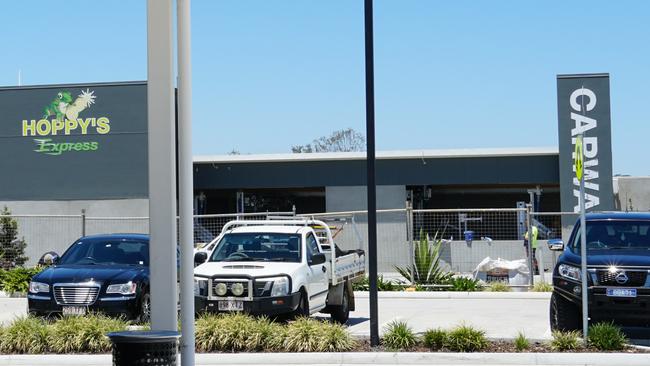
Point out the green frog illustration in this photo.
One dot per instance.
(58, 106)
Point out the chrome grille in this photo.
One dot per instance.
(75, 295)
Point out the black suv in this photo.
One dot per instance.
(618, 267)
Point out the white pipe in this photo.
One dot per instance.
(185, 180)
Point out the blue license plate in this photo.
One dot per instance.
(621, 292)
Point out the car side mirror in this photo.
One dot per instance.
(200, 258)
(556, 244)
(318, 258)
(48, 259)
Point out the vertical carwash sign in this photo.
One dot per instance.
(584, 108)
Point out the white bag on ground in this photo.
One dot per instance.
(513, 272)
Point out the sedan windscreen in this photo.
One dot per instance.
(258, 247)
(103, 251)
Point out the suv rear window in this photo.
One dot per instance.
(618, 234)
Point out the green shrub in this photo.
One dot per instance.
(87, 334)
(565, 341)
(498, 286)
(382, 285)
(25, 335)
(17, 279)
(464, 284)
(398, 336)
(303, 335)
(335, 338)
(434, 339)
(606, 337)
(521, 342)
(542, 287)
(232, 332)
(427, 269)
(465, 338)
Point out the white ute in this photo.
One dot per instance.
(277, 267)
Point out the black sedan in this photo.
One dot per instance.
(99, 273)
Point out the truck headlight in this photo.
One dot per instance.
(570, 272)
(200, 287)
(122, 288)
(220, 289)
(36, 287)
(280, 286)
(237, 289)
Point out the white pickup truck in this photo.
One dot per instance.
(277, 267)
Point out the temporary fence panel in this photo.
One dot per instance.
(43, 233)
(351, 232)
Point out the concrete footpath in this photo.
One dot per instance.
(368, 358)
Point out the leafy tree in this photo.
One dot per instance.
(341, 140)
(12, 249)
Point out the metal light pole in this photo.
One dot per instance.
(579, 165)
(370, 166)
(185, 180)
(162, 173)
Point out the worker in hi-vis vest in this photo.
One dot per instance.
(526, 244)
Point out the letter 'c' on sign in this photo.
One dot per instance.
(582, 92)
(578, 158)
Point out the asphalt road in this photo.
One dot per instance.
(500, 315)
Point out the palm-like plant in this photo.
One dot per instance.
(426, 268)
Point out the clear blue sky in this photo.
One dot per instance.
(269, 74)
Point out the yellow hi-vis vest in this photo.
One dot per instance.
(535, 232)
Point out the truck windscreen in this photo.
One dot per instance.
(240, 247)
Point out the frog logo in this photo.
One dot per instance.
(63, 106)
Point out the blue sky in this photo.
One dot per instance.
(269, 74)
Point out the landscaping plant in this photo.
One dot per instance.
(565, 341)
(17, 279)
(521, 342)
(464, 284)
(426, 269)
(382, 285)
(434, 339)
(25, 335)
(77, 334)
(606, 337)
(542, 287)
(398, 336)
(498, 286)
(465, 338)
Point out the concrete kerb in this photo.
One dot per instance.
(456, 295)
(365, 358)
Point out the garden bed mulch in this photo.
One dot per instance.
(500, 347)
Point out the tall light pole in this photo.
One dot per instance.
(162, 169)
(370, 166)
(185, 180)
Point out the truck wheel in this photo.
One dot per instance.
(564, 314)
(341, 313)
(303, 306)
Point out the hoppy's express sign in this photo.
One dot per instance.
(61, 117)
(81, 141)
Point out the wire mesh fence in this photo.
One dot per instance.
(495, 233)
